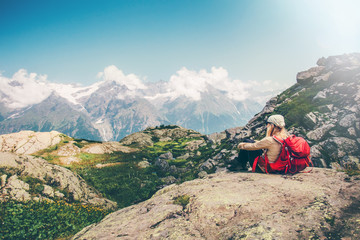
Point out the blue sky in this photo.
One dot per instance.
(254, 40)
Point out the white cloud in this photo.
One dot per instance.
(24, 89)
(261, 92)
(191, 84)
(131, 81)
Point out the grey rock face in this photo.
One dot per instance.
(310, 120)
(338, 147)
(348, 120)
(166, 156)
(318, 133)
(16, 189)
(307, 76)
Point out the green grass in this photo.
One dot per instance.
(352, 172)
(126, 183)
(45, 220)
(36, 185)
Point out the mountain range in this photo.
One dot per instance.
(122, 104)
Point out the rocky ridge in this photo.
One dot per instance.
(242, 206)
(66, 148)
(26, 178)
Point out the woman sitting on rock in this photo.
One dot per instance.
(275, 127)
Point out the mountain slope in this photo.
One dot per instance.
(115, 117)
(52, 113)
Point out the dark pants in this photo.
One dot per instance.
(245, 157)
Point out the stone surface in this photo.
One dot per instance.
(240, 206)
(338, 147)
(166, 156)
(69, 149)
(194, 145)
(48, 191)
(140, 139)
(348, 120)
(16, 189)
(28, 142)
(143, 164)
(106, 147)
(318, 133)
(307, 76)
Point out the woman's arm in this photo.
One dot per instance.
(264, 143)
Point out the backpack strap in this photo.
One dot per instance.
(264, 160)
(255, 163)
(308, 165)
(279, 140)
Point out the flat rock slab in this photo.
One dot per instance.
(242, 206)
(28, 142)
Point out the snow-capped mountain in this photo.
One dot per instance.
(121, 104)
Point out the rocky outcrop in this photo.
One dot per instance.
(320, 204)
(140, 139)
(153, 134)
(106, 148)
(58, 144)
(31, 178)
(29, 142)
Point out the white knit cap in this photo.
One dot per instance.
(277, 120)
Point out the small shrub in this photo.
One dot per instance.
(36, 185)
(352, 172)
(79, 145)
(182, 200)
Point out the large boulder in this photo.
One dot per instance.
(139, 139)
(307, 76)
(241, 206)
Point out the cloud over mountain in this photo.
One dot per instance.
(132, 82)
(191, 83)
(23, 89)
(120, 104)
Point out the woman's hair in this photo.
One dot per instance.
(276, 131)
(277, 128)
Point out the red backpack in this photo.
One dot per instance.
(294, 157)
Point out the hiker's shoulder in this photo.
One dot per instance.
(269, 140)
